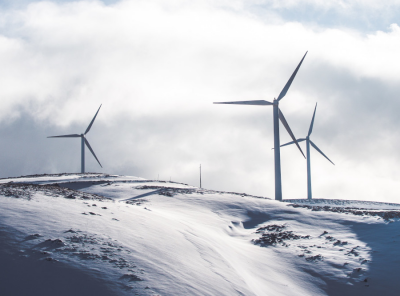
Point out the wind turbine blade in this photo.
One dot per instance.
(312, 121)
(290, 143)
(66, 136)
(286, 88)
(316, 148)
(90, 125)
(286, 125)
(91, 150)
(259, 102)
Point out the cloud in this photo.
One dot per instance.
(363, 16)
(337, 4)
(157, 66)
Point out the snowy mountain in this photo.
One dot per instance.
(96, 234)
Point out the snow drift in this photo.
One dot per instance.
(101, 234)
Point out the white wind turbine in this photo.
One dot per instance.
(277, 115)
(83, 142)
(308, 142)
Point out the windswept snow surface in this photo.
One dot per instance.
(356, 204)
(97, 234)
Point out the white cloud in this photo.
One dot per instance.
(330, 4)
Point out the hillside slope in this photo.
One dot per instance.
(116, 235)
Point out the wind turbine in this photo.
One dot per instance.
(277, 115)
(308, 142)
(83, 142)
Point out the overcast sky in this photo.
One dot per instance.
(157, 66)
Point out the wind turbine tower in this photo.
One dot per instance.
(308, 143)
(277, 115)
(84, 142)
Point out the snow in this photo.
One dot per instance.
(121, 235)
(356, 204)
(61, 178)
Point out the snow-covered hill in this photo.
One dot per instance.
(96, 234)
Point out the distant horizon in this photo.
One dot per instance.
(312, 201)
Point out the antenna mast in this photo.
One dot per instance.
(200, 175)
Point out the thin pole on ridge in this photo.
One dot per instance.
(200, 175)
